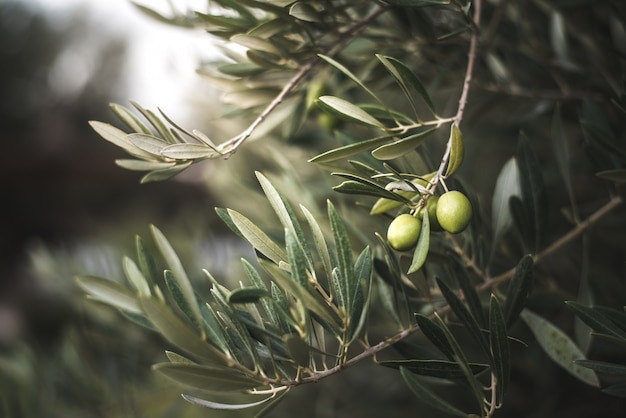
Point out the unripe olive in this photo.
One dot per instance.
(454, 211)
(403, 232)
(431, 209)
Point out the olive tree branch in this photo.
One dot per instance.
(488, 284)
(229, 147)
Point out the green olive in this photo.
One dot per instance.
(403, 232)
(431, 208)
(454, 211)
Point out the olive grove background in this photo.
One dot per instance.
(548, 88)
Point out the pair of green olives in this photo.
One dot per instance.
(452, 212)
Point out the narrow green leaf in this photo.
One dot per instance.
(225, 217)
(241, 69)
(177, 332)
(426, 395)
(499, 343)
(604, 367)
(457, 150)
(189, 152)
(466, 317)
(559, 347)
(471, 296)
(435, 368)
(435, 335)
(285, 214)
(319, 239)
(247, 295)
(363, 268)
(146, 261)
(348, 111)
(213, 379)
(136, 277)
(367, 187)
(563, 155)
(109, 292)
(519, 289)
(533, 190)
(297, 260)
(349, 74)
(461, 359)
(178, 271)
(351, 149)
(223, 406)
(257, 238)
(596, 320)
(402, 146)
(177, 358)
(421, 249)
(344, 255)
(408, 81)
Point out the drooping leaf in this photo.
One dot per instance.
(119, 138)
(408, 81)
(344, 255)
(559, 347)
(435, 368)
(428, 396)
(519, 289)
(165, 173)
(362, 185)
(349, 74)
(351, 149)
(499, 343)
(562, 151)
(423, 245)
(435, 335)
(465, 316)
(109, 292)
(402, 146)
(461, 359)
(457, 150)
(604, 367)
(214, 379)
(304, 11)
(223, 406)
(596, 320)
(471, 296)
(348, 111)
(533, 190)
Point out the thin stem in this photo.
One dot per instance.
(230, 147)
(556, 245)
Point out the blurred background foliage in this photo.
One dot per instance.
(69, 210)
